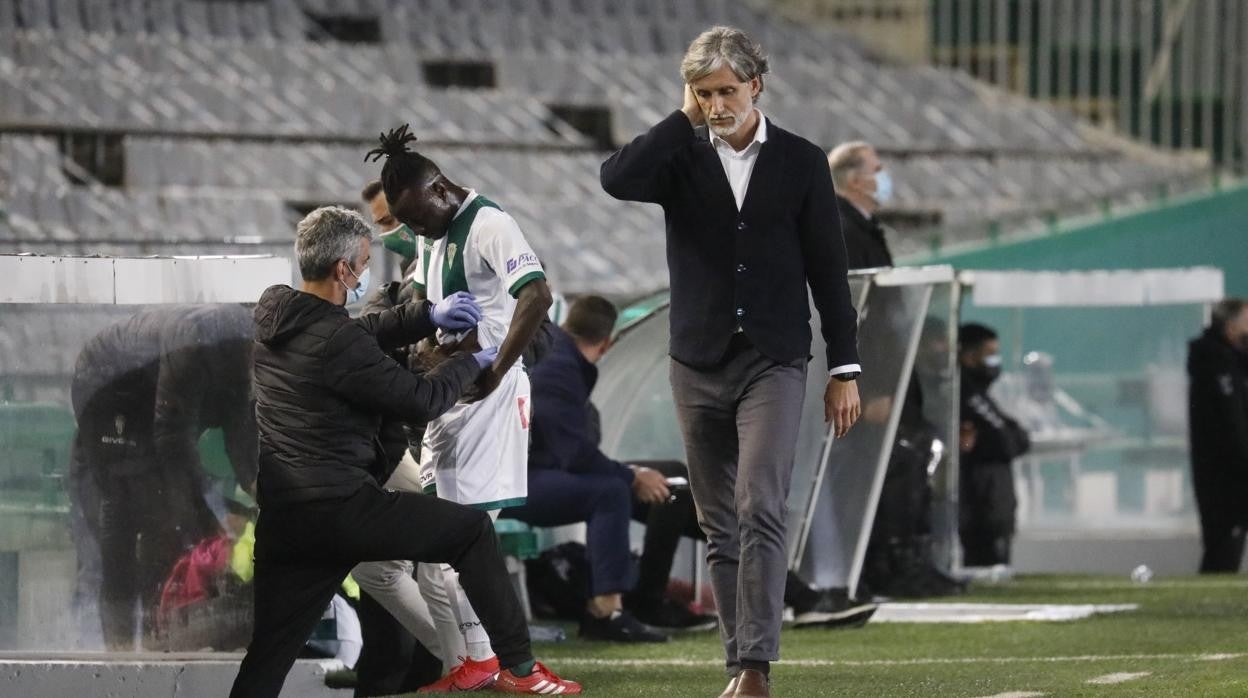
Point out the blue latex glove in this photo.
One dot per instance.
(485, 357)
(457, 312)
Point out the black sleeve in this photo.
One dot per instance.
(540, 345)
(1021, 439)
(562, 416)
(998, 439)
(827, 273)
(382, 298)
(181, 384)
(641, 170)
(399, 326)
(242, 442)
(361, 372)
(1215, 377)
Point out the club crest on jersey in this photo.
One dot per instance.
(524, 260)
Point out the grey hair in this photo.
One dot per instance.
(845, 159)
(720, 46)
(326, 235)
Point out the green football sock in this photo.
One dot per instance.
(524, 668)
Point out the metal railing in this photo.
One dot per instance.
(1169, 72)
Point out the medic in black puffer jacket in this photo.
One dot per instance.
(323, 383)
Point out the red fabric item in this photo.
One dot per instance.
(192, 577)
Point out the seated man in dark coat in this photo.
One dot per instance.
(571, 481)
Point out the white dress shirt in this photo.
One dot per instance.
(739, 166)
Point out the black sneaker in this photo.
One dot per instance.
(670, 615)
(834, 609)
(620, 626)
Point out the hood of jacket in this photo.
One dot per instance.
(283, 312)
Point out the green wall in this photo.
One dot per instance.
(1207, 230)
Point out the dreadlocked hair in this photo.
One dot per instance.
(403, 168)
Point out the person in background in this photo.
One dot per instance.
(899, 558)
(1217, 367)
(862, 187)
(403, 649)
(572, 481)
(990, 441)
(144, 391)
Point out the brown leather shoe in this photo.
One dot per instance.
(752, 684)
(731, 690)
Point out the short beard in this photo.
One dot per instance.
(738, 121)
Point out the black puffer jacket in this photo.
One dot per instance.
(1218, 423)
(171, 373)
(323, 383)
(998, 438)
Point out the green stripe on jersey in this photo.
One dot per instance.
(426, 251)
(453, 277)
(531, 276)
(498, 504)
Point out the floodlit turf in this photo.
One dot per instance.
(1189, 636)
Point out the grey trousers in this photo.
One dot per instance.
(740, 422)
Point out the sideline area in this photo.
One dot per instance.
(1188, 636)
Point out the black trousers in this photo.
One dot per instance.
(1219, 499)
(392, 659)
(305, 549)
(986, 514)
(607, 504)
(666, 524)
(140, 522)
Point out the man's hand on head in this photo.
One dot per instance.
(692, 109)
(841, 407)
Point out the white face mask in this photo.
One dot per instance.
(883, 187)
(355, 295)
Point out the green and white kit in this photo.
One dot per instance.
(477, 454)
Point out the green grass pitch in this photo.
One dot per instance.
(1188, 638)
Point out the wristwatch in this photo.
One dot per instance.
(847, 377)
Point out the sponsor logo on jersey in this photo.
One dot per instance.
(528, 259)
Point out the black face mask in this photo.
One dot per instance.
(983, 374)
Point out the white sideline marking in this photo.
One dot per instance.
(926, 661)
(894, 612)
(1120, 677)
(1163, 584)
(1017, 694)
